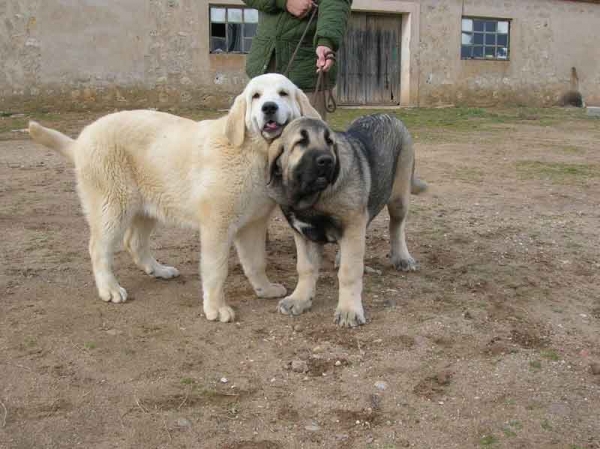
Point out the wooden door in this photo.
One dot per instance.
(369, 60)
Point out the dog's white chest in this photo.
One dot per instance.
(318, 228)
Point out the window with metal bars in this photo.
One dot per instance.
(485, 38)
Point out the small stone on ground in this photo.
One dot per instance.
(299, 366)
(381, 385)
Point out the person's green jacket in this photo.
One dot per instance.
(279, 33)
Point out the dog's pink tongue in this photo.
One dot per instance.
(271, 125)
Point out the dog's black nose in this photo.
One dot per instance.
(270, 107)
(324, 160)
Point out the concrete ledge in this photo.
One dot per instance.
(593, 111)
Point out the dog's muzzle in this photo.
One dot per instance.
(324, 170)
(314, 172)
(272, 127)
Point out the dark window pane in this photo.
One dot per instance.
(478, 52)
(490, 26)
(234, 37)
(490, 52)
(250, 29)
(247, 45)
(465, 52)
(478, 38)
(503, 39)
(217, 29)
(490, 39)
(478, 25)
(217, 45)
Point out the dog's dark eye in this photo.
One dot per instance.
(283, 93)
(256, 96)
(304, 141)
(328, 139)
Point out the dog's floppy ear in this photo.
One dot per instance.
(306, 109)
(336, 169)
(275, 152)
(235, 128)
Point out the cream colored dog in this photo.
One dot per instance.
(135, 168)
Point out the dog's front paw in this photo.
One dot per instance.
(407, 264)
(271, 291)
(292, 306)
(164, 272)
(224, 314)
(114, 294)
(352, 317)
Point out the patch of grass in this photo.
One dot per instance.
(424, 122)
(550, 355)
(469, 174)
(515, 424)
(546, 425)
(462, 118)
(49, 116)
(9, 124)
(89, 345)
(534, 405)
(488, 440)
(512, 427)
(558, 172)
(233, 410)
(535, 364)
(188, 381)
(572, 150)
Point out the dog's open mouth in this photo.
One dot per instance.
(272, 127)
(321, 182)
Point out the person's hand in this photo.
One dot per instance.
(299, 8)
(324, 63)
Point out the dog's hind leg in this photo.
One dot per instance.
(398, 210)
(137, 243)
(107, 226)
(250, 243)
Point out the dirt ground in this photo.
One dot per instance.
(493, 343)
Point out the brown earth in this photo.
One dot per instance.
(490, 344)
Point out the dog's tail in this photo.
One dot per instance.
(52, 139)
(417, 185)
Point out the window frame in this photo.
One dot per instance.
(485, 33)
(226, 23)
